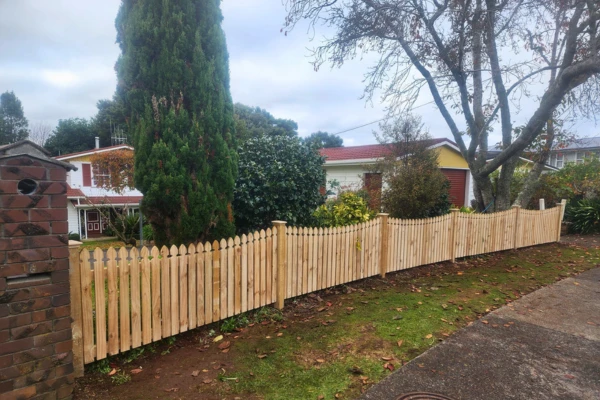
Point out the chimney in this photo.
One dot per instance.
(97, 142)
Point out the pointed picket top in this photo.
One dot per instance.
(173, 251)
(154, 252)
(244, 239)
(256, 236)
(236, 241)
(269, 233)
(134, 253)
(320, 231)
(215, 246)
(85, 255)
(99, 255)
(230, 243)
(182, 250)
(192, 248)
(164, 251)
(310, 231)
(207, 247)
(123, 254)
(262, 233)
(111, 253)
(223, 244)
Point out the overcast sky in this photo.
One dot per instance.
(58, 57)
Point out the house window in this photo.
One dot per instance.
(580, 157)
(86, 170)
(553, 159)
(101, 177)
(560, 160)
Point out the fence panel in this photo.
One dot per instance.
(134, 297)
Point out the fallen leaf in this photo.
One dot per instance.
(225, 351)
(569, 376)
(429, 336)
(400, 342)
(320, 360)
(218, 338)
(320, 397)
(204, 370)
(387, 358)
(389, 366)
(207, 381)
(320, 309)
(172, 390)
(261, 356)
(225, 345)
(195, 373)
(136, 371)
(485, 322)
(112, 372)
(279, 334)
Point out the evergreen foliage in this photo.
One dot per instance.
(110, 119)
(70, 136)
(13, 124)
(255, 121)
(280, 178)
(324, 140)
(414, 185)
(173, 79)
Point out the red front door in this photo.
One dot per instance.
(458, 182)
(93, 224)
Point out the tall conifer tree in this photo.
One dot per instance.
(173, 77)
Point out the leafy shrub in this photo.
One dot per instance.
(466, 210)
(584, 216)
(148, 232)
(74, 236)
(347, 209)
(279, 178)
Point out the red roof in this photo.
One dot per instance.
(93, 151)
(74, 192)
(131, 200)
(369, 151)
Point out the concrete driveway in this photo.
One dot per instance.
(543, 346)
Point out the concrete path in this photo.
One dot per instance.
(545, 345)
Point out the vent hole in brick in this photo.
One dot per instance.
(27, 186)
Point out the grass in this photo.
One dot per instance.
(102, 243)
(399, 320)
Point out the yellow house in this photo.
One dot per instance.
(350, 167)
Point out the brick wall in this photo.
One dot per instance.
(36, 359)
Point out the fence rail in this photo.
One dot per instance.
(128, 298)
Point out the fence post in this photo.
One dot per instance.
(76, 314)
(516, 235)
(561, 214)
(281, 262)
(542, 205)
(383, 254)
(454, 223)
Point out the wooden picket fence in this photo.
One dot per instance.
(128, 298)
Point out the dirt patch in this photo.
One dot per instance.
(585, 241)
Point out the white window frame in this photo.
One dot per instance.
(560, 160)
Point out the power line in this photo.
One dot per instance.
(379, 120)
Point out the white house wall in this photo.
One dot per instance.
(348, 176)
(72, 218)
(75, 180)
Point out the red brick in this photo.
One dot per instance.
(19, 172)
(33, 354)
(15, 321)
(60, 227)
(60, 324)
(6, 387)
(13, 244)
(54, 337)
(27, 229)
(31, 330)
(52, 188)
(60, 276)
(4, 337)
(4, 310)
(15, 215)
(30, 305)
(16, 346)
(46, 266)
(24, 161)
(63, 370)
(57, 174)
(27, 255)
(23, 201)
(41, 375)
(53, 384)
(64, 392)
(8, 187)
(9, 373)
(58, 201)
(48, 214)
(2, 284)
(6, 361)
(12, 270)
(49, 290)
(61, 300)
(47, 241)
(51, 313)
(63, 358)
(59, 252)
(15, 295)
(63, 347)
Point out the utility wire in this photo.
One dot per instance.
(379, 120)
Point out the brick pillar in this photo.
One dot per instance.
(36, 359)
